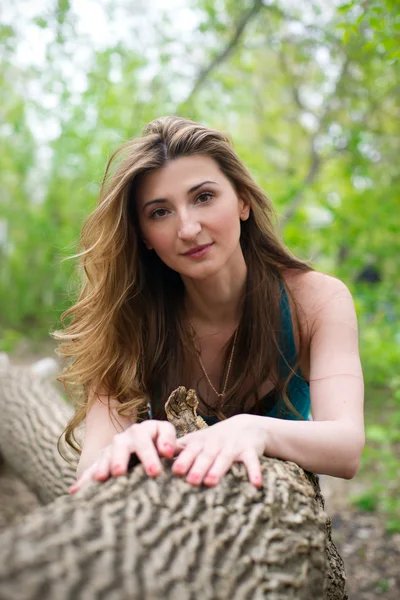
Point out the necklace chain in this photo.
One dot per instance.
(219, 394)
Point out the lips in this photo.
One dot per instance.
(196, 249)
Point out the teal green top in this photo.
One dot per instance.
(298, 389)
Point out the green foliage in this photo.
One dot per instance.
(9, 339)
(383, 586)
(380, 466)
(380, 20)
(380, 351)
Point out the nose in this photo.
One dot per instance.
(188, 228)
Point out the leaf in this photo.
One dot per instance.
(41, 22)
(345, 7)
(376, 433)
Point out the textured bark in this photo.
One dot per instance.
(149, 539)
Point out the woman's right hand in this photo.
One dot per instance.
(148, 440)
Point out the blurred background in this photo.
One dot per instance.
(309, 91)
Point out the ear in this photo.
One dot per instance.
(244, 209)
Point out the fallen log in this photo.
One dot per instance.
(150, 539)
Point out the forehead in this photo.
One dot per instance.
(179, 175)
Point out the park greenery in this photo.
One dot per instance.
(309, 92)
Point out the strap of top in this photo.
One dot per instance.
(298, 389)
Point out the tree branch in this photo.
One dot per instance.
(315, 158)
(292, 82)
(225, 52)
(313, 171)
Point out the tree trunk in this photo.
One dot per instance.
(150, 539)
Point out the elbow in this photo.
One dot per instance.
(345, 469)
(351, 470)
(353, 463)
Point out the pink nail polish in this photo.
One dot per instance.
(210, 482)
(168, 448)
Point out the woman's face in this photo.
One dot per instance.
(186, 204)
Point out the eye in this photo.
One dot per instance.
(204, 197)
(156, 213)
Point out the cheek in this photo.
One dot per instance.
(161, 238)
(227, 226)
(158, 237)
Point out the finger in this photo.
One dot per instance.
(86, 476)
(202, 464)
(179, 446)
(147, 453)
(252, 463)
(183, 441)
(122, 448)
(221, 466)
(166, 439)
(103, 472)
(186, 458)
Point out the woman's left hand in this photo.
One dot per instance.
(207, 454)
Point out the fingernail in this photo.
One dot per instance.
(210, 482)
(153, 470)
(168, 448)
(211, 479)
(178, 469)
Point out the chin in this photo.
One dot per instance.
(199, 275)
(199, 272)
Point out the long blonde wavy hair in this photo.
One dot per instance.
(127, 335)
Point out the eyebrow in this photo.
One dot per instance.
(192, 189)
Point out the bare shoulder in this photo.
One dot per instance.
(314, 286)
(315, 293)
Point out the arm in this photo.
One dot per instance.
(333, 442)
(100, 429)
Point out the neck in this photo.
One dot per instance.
(217, 300)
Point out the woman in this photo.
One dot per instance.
(186, 283)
